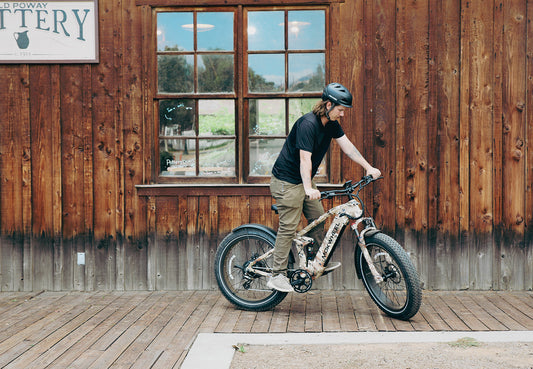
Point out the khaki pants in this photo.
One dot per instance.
(291, 202)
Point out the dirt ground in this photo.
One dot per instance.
(464, 353)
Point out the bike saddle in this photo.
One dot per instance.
(274, 207)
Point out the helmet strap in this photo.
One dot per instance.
(330, 109)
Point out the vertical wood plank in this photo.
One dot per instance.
(40, 146)
(498, 143)
(514, 145)
(166, 252)
(480, 124)
(352, 18)
(412, 96)
(133, 151)
(105, 156)
(444, 95)
(529, 150)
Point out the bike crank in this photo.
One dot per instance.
(301, 281)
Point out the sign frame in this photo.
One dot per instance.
(56, 28)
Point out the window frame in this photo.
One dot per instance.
(240, 95)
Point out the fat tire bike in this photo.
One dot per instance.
(243, 261)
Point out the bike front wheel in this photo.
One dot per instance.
(244, 289)
(400, 294)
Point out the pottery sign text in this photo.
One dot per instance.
(48, 32)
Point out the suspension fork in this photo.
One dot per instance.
(362, 244)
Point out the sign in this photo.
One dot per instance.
(48, 31)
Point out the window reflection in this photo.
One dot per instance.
(266, 73)
(176, 117)
(306, 72)
(175, 73)
(171, 36)
(267, 117)
(216, 117)
(177, 157)
(266, 30)
(215, 31)
(263, 154)
(217, 157)
(306, 30)
(215, 73)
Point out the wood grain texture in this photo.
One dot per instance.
(441, 104)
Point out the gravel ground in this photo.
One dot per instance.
(464, 353)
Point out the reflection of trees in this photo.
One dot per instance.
(217, 74)
(313, 82)
(257, 83)
(176, 112)
(174, 74)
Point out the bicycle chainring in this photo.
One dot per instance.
(301, 281)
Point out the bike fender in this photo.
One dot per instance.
(372, 232)
(258, 227)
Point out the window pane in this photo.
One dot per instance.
(215, 73)
(177, 157)
(175, 73)
(217, 157)
(176, 118)
(267, 117)
(173, 32)
(266, 30)
(215, 31)
(216, 117)
(299, 107)
(266, 73)
(307, 30)
(263, 154)
(306, 72)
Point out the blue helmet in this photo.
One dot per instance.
(337, 94)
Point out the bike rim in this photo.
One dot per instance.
(392, 293)
(250, 288)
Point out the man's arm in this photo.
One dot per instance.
(305, 173)
(351, 151)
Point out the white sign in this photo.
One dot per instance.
(48, 32)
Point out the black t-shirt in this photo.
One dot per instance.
(308, 134)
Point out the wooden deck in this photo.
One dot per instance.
(155, 329)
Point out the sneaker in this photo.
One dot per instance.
(332, 266)
(280, 283)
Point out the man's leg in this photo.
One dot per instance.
(312, 210)
(289, 199)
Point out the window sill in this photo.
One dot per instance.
(173, 190)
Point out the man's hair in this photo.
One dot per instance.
(320, 108)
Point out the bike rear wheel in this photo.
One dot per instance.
(246, 290)
(400, 294)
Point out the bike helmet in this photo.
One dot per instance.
(337, 94)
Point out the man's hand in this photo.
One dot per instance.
(374, 172)
(312, 193)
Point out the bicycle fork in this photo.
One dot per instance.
(362, 244)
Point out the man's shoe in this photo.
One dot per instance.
(280, 283)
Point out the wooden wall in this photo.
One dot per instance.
(442, 105)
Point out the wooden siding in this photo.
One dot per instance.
(442, 105)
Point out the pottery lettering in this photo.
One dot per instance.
(28, 15)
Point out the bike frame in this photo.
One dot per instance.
(344, 213)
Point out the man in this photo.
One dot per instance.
(292, 183)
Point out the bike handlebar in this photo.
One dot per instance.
(349, 188)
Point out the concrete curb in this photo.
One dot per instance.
(215, 350)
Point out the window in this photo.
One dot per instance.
(230, 84)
